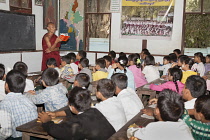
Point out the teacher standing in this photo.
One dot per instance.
(50, 46)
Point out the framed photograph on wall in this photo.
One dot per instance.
(50, 12)
(2, 1)
(39, 2)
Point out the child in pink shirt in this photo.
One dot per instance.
(175, 75)
(135, 67)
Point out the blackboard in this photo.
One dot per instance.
(17, 31)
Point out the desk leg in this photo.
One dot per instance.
(25, 136)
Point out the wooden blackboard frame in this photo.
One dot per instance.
(33, 48)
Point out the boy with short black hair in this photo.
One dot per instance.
(200, 126)
(88, 123)
(110, 106)
(54, 95)
(2, 82)
(166, 65)
(170, 108)
(195, 86)
(22, 67)
(108, 60)
(112, 54)
(81, 54)
(82, 80)
(72, 63)
(177, 52)
(66, 69)
(126, 96)
(101, 71)
(20, 109)
(51, 63)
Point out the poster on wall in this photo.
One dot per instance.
(147, 19)
(71, 23)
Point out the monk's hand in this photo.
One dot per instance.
(48, 50)
(44, 117)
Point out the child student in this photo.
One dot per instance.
(112, 54)
(101, 71)
(82, 80)
(143, 54)
(2, 82)
(150, 72)
(121, 67)
(186, 64)
(51, 63)
(175, 76)
(199, 127)
(54, 95)
(199, 66)
(110, 106)
(108, 60)
(135, 66)
(81, 54)
(66, 69)
(177, 52)
(88, 123)
(20, 109)
(166, 66)
(207, 64)
(72, 62)
(195, 87)
(126, 96)
(22, 67)
(170, 108)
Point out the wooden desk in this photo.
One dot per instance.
(146, 91)
(34, 128)
(122, 133)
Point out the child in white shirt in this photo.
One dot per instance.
(127, 96)
(2, 82)
(22, 67)
(199, 66)
(72, 64)
(110, 106)
(170, 108)
(150, 71)
(166, 66)
(51, 63)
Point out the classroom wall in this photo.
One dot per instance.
(162, 47)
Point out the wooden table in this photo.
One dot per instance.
(122, 133)
(34, 128)
(146, 91)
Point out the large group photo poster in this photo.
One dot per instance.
(147, 19)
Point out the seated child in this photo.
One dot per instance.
(22, 67)
(195, 87)
(81, 54)
(88, 123)
(122, 54)
(186, 64)
(121, 67)
(177, 52)
(170, 108)
(143, 54)
(199, 127)
(166, 66)
(19, 108)
(66, 69)
(174, 77)
(207, 64)
(54, 95)
(127, 96)
(2, 82)
(72, 64)
(108, 60)
(51, 63)
(82, 80)
(112, 54)
(135, 66)
(150, 72)
(199, 66)
(5, 124)
(101, 71)
(110, 106)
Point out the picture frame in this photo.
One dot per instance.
(50, 12)
(39, 2)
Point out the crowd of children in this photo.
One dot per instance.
(117, 80)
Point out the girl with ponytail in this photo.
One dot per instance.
(175, 76)
(136, 68)
(121, 67)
